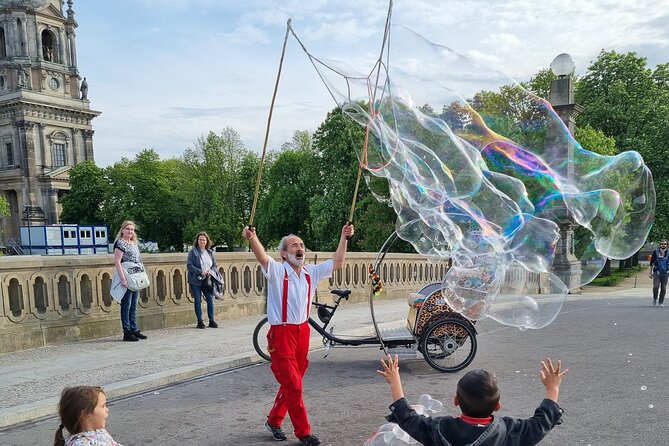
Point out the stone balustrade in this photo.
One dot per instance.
(53, 299)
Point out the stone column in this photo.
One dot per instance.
(73, 48)
(50, 197)
(75, 146)
(16, 37)
(560, 150)
(40, 53)
(62, 46)
(88, 145)
(23, 32)
(27, 143)
(42, 145)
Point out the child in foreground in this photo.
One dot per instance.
(83, 412)
(478, 397)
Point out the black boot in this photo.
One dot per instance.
(139, 335)
(129, 337)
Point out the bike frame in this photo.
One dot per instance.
(330, 337)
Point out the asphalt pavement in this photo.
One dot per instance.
(31, 380)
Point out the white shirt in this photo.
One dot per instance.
(205, 260)
(297, 289)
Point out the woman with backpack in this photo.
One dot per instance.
(659, 271)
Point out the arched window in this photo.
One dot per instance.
(59, 155)
(59, 142)
(49, 52)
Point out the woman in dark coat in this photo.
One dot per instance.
(201, 262)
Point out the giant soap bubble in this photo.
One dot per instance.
(496, 189)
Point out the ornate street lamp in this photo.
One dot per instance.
(561, 96)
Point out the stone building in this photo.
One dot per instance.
(45, 114)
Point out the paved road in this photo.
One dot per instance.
(615, 393)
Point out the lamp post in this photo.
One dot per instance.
(560, 149)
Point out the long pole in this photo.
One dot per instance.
(269, 121)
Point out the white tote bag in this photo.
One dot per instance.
(136, 276)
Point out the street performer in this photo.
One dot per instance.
(291, 286)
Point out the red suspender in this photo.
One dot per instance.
(308, 277)
(284, 309)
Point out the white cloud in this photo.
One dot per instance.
(173, 70)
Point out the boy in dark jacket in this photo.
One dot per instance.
(478, 398)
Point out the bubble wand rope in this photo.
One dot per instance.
(375, 282)
(269, 122)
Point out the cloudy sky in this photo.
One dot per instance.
(165, 72)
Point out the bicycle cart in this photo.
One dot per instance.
(446, 339)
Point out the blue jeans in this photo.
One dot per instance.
(197, 296)
(129, 311)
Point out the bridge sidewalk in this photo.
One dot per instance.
(31, 381)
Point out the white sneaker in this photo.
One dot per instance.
(662, 305)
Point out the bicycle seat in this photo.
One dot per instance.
(341, 293)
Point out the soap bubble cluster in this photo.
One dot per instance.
(500, 190)
(390, 434)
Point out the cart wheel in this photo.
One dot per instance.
(448, 345)
(260, 339)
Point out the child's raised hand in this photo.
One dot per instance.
(551, 376)
(391, 368)
(391, 372)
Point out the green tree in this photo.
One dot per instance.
(302, 141)
(219, 171)
(628, 101)
(5, 210)
(595, 140)
(88, 191)
(143, 191)
(284, 209)
(514, 114)
(540, 83)
(334, 175)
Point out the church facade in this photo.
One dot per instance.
(45, 114)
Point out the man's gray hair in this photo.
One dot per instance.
(283, 244)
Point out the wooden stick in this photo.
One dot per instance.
(269, 121)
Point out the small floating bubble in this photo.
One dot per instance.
(643, 387)
(650, 406)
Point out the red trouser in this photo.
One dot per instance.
(288, 346)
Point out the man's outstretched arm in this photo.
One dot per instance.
(257, 247)
(340, 254)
